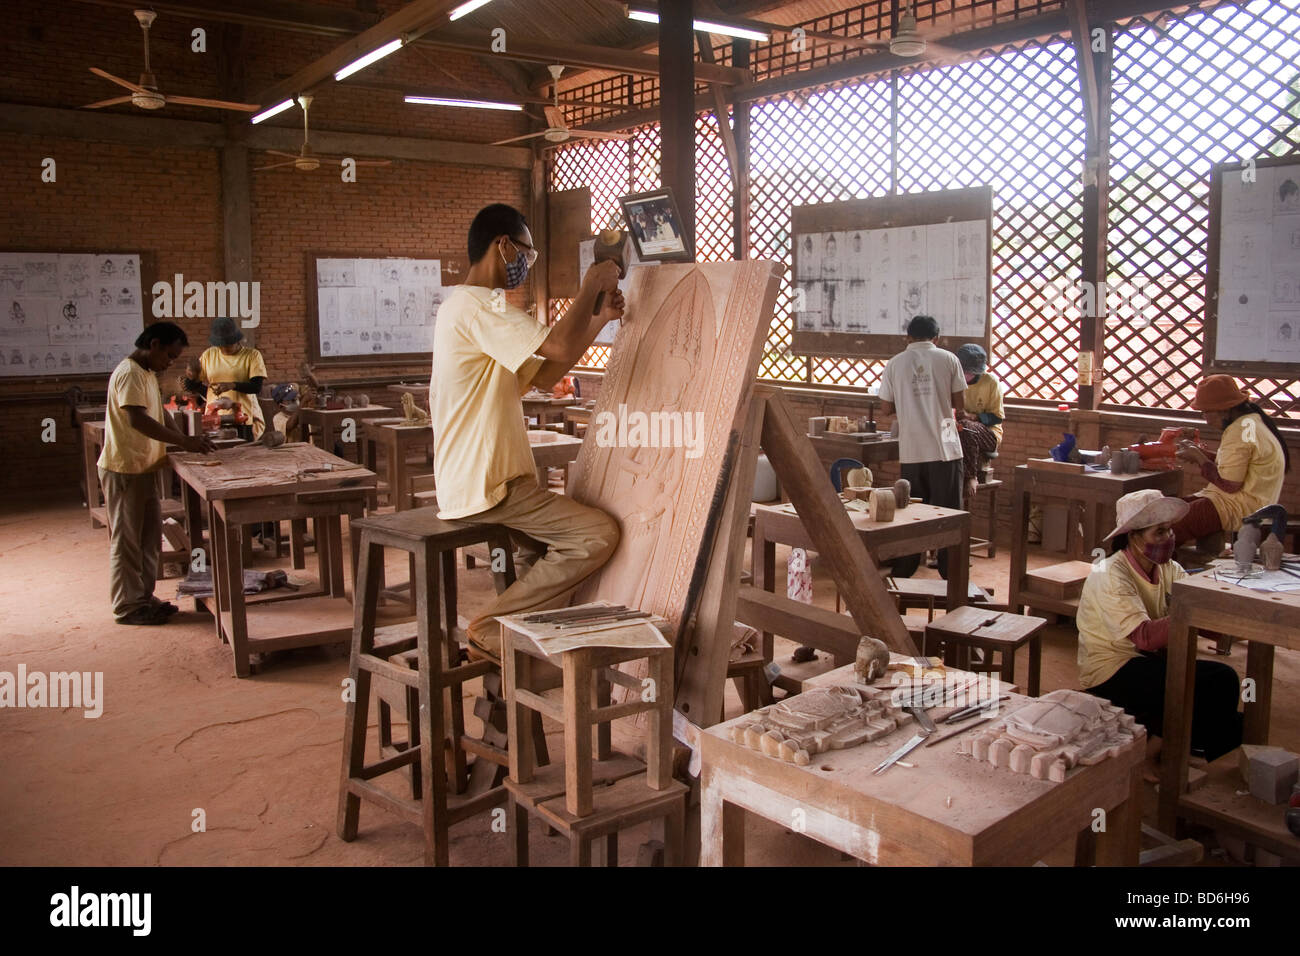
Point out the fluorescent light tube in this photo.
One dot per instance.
(272, 111)
(711, 26)
(465, 8)
(704, 26)
(369, 58)
(471, 104)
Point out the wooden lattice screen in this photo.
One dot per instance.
(1190, 90)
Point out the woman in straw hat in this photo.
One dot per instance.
(1247, 471)
(1123, 623)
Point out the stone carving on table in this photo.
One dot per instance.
(415, 415)
(1056, 732)
(872, 659)
(1270, 553)
(1244, 548)
(826, 718)
(902, 493)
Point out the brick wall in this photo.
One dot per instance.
(166, 201)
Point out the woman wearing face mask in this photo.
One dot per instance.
(1123, 623)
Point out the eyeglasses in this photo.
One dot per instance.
(530, 253)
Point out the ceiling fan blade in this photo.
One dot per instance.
(515, 139)
(554, 115)
(118, 80)
(113, 102)
(585, 134)
(374, 162)
(276, 152)
(275, 165)
(937, 51)
(215, 104)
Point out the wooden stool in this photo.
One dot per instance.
(988, 491)
(998, 632)
(434, 704)
(568, 800)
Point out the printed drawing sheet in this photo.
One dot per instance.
(377, 306)
(1259, 266)
(67, 314)
(874, 281)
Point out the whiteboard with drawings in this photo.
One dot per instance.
(376, 310)
(65, 314)
(1252, 307)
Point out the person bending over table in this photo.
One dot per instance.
(1123, 622)
(922, 385)
(232, 370)
(486, 354)
(1247, 471)
(980, 421)
(136, 435)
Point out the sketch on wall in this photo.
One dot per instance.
(75, 314)
(874, 281)
(368, 307)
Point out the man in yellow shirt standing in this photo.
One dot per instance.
(232, 370)
(486, 354)
(135, 446)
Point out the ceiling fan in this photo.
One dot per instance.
(305, 159)
(908, 41)
(145, 94)
(556, 131)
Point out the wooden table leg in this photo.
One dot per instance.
(763, 570)
(1035, 663)
(194, 520)
(959, 567)
(1019, 544)
(1120, 844)
(577, 733)
(228, 553)
(1259, 668)
(722, 826)
(1180, 681)
(432, 727)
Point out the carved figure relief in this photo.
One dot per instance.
(1058, 731)
(826, 718)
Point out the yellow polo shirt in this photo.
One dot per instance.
(1115, 601)
(1258, 463)
(243, 366)
(126, 450)
(483, 362)
(986, 396)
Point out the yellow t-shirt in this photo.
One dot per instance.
(986, 396)
(244, 365)
(126, 451)
(482, 363)
(1258, 463)
(1115, 601)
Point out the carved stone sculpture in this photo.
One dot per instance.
(1270, 553)
(902, 493)
(1244, 548)
(1056, 732)
(827, 718)
(415, 415)
(872, 659)
(882, 505)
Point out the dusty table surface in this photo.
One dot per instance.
(250, 471)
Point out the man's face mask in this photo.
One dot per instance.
(517, 270)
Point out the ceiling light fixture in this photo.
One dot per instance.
(704, 26)
(371, 57)
(466, 8)
(272, 111)
(470, 104)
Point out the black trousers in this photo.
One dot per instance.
(936, 483)
(1139, 688)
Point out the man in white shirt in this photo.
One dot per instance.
(486, 354)
(922, 386)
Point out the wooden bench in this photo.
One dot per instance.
(993, 632)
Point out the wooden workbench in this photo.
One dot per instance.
(253, 484)
(398, 439)
(324, 425)
(552, 451)
(576, 415)
(546, 409)
(1090, 497)
(902, 817)
(1267, 620)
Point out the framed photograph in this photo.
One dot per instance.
(655, 226)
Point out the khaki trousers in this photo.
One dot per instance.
(579, 540)
(134, 538)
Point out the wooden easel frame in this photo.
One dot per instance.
(702, 653)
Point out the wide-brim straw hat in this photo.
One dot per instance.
(1142, 509)
(1218, 393)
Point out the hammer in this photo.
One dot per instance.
(610, 244)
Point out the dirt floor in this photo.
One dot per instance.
(260, 757)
